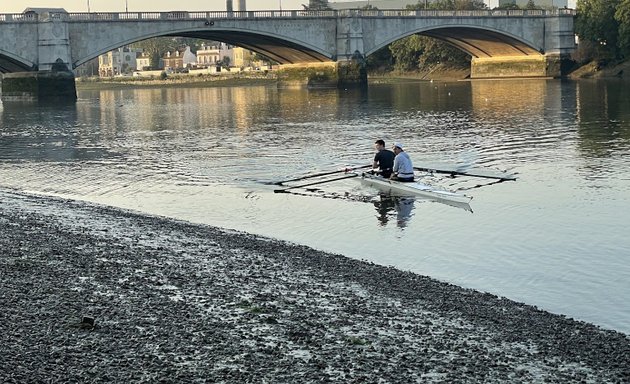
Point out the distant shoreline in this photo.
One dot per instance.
(440, 73)
(174, 81)
(240, 80)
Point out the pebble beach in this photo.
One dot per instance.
(90, 293)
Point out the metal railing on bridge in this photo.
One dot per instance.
(292, 14)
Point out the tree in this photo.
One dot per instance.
(509, 6)
(416, 51)
(156, 47)
(406, 52)
(468, 5)
(317, 5)
(191, 42)
(595, 22)
(622, 15)
(225, 62)
(436, 51)
(531, 5)
(380, 61)
(458, 5)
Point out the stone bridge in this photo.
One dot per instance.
(514, 43)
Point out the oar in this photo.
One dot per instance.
(454, 172)
(322, 174)
(314, 183)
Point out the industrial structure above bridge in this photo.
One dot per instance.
(514, 43)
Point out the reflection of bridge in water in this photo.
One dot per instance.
(501, 43)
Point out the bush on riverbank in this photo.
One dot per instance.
(600, 70)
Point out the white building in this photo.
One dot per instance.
(143, 62)
(189, 58)
(209, 55)
(117, 62)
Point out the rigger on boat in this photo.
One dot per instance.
(393, 187)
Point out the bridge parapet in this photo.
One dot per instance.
(18, 18)
(275, 14)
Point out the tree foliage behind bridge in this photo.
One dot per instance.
(417, 52)
(603, 27)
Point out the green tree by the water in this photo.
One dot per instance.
(622, 15)
(596, 26)
(421, 52)
(603, 27)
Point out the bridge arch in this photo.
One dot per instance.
(282, 49)
(13, 63)
(479, 42)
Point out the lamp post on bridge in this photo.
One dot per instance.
(126, 6)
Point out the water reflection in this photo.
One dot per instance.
(394, 207)
(603, 113)
(49, 132)
(491, 97)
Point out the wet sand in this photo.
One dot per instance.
(178, 302)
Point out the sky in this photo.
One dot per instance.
(17, 6)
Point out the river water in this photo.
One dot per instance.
(556, 238)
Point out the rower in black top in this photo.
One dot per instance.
(384, 159)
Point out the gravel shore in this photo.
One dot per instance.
(175, 302)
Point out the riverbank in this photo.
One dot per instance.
(439, 72)
(595, 70)
(179, 81)
(177, 302)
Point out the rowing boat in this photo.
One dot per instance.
(413, 189)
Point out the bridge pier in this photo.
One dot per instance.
(52, 81)
(516, 66)
(334, 74)
(53, 86)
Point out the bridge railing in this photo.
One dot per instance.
(18, 17)
(287, 14)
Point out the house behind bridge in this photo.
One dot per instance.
(126, 60)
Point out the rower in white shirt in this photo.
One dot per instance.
(403, 167)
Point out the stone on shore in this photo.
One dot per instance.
(171, 301)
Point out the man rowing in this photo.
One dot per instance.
(383, 160)
(403, 167)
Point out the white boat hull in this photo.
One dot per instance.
(413, 189)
